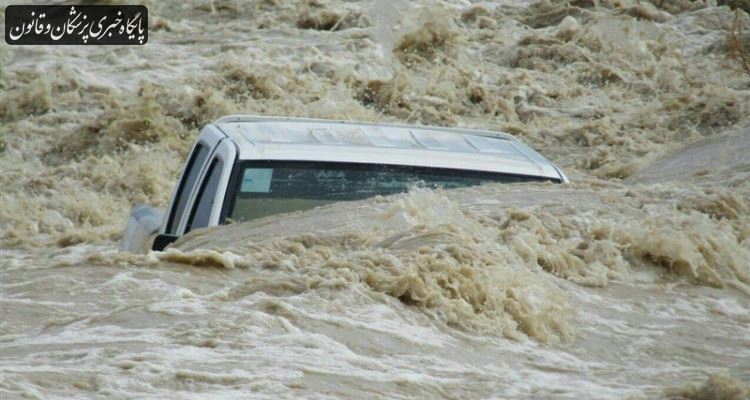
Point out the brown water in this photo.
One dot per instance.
(633, 281)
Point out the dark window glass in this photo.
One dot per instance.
(274, 187)
(200, 153)
(206, 197)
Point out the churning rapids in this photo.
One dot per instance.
(631, 282)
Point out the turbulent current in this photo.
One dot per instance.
(631, 282)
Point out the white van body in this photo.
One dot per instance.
(224, 144)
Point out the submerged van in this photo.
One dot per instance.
(247, 167)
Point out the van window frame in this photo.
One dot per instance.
(216, 166)
(173, 222)
(235, 179)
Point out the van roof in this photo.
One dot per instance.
(302, 139)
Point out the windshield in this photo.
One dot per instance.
(265, 188)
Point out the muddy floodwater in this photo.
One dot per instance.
(631, 282)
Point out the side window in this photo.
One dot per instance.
(205, 200)
(200, 153)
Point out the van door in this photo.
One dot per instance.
(195, 165)
(208, 196)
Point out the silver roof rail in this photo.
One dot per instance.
(263, 118)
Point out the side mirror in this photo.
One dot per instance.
(163, 240)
